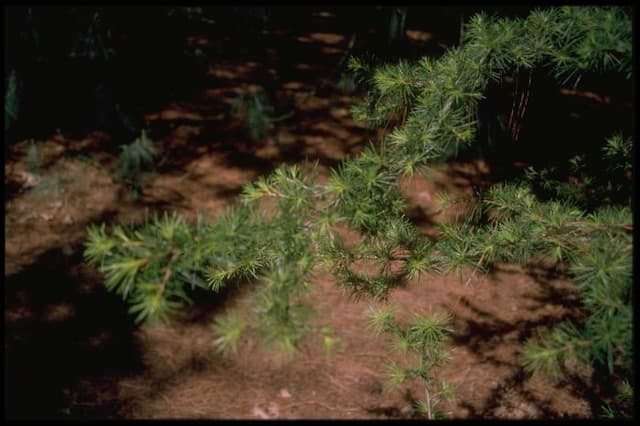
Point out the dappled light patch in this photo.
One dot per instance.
(60, 312)
(231, 72)
(586, 94)
(69, 194)
(331, 50)
(336, 131)
(419, 36)
(339, 112)
(200, 41)
(295, 85)
(182, 113)
(325, 38)
(19, 313)
(306, 67)
(324, 14)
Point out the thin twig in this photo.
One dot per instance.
(523, 107)
(168, 272)
(513, 103)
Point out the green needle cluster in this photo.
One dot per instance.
(430, 107)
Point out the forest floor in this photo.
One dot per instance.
(72, 351)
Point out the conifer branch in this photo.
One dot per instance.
(429, 105)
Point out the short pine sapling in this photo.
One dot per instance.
(134, 158)
(255, 110)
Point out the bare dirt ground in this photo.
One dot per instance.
(71, 350)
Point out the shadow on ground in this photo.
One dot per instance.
(69, 342)
(62, 327)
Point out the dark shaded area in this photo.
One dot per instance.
(105, 65)
(109, 65)
(389, 412)
(68, 341)
(557, 123)
(61, 327)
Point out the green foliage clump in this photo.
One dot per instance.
(346, 83)
(601, 179)
(512, 225)
(623, 406)
(256, 112)
(281, 314)
(154, 265)
(423, 337)
(133, 159)
(595, 248)
(430, 107)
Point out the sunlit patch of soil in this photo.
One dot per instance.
(55, 210)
